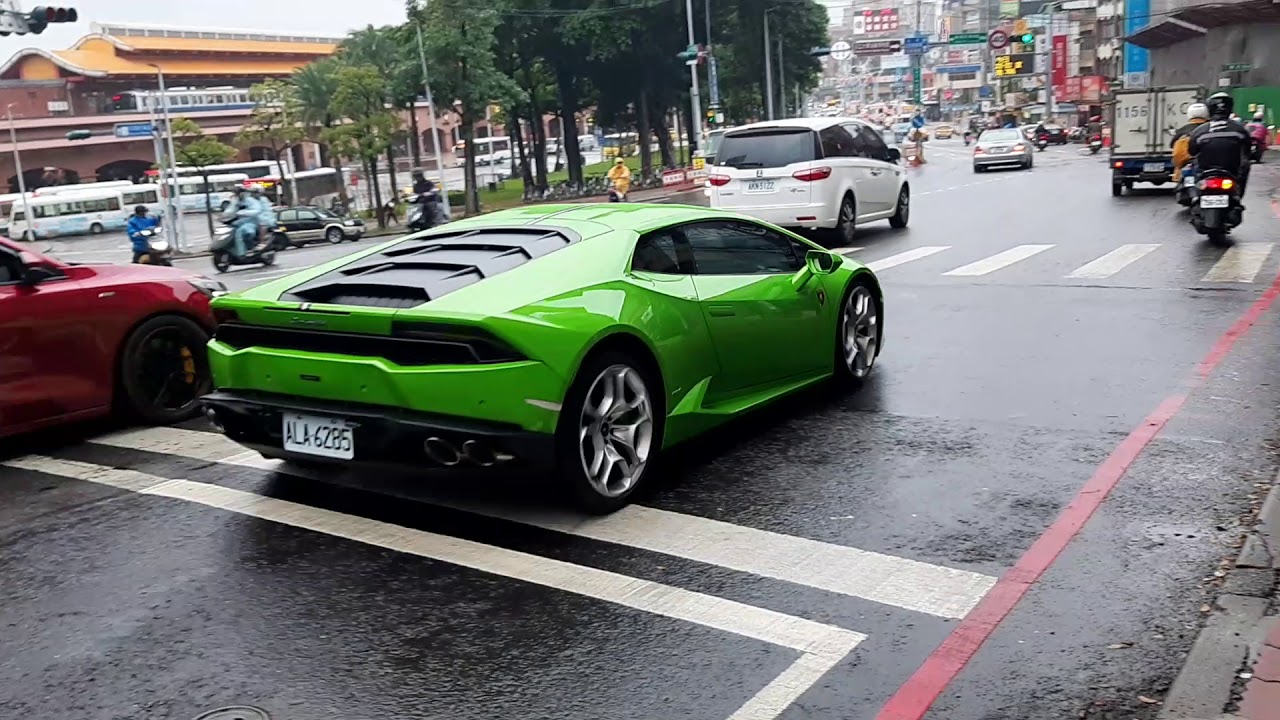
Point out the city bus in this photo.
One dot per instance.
(489, 151)
(90, 212)
(81, 187)
(144, 194)
(193, 198)
(312, 184)
(252, 168)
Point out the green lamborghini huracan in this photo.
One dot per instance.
(577, 340)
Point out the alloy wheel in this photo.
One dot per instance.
(168, 375)
(860, 331)
(615, 430)
(904, 205)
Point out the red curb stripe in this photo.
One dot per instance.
(914, 698)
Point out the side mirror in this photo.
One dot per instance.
(36, 274)
(895, 155)
(821, 263)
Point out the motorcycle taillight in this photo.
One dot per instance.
(1217, 183)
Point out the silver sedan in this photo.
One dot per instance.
(1002, 148)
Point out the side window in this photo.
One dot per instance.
(836, 142)
(734, 247)
(288, 216)
(10, 269)
(308, 215)
(660, 252)
(874, 144)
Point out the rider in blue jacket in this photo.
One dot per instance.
(138, 222)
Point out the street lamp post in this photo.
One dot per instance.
(17, 165)
(175, 216)
(694, 100)
(435, 136)
(768, 67)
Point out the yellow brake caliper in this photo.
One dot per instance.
(188, 366)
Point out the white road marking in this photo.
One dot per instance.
(822, 646)
(848, 250)
(1114, 261)
(1239, 264)
(906, 257)
(887, 579)
(997, 261)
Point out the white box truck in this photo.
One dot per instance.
(1143, 123)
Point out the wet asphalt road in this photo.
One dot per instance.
(801, 565)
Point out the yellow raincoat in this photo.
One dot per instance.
(1182, 148)
(620, 176)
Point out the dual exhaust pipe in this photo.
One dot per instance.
(449, 455)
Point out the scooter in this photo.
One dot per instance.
(1217, 209)
(616, 195)
(968, 138)
(1256, 150)
(1042, 142)
(224, 256)
(159, 252)
(1187, 190)
(1095, 144)
(424, 212)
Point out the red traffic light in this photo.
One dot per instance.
(56, 14)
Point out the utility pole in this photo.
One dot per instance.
(917, 60)
(435, 136)
(22, 183)
(713, 73)
(694, 100)
(175, 216)
(768, 68)
(782, 83)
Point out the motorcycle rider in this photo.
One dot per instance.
(138, 222)
(243, 216)
(1197, 115)
(1258, 131)
(620, 176)
(1222, 143)
(266, 213)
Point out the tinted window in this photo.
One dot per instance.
(288, 216)
(10, 269)
(837, 142)
(872, 142)
(767, 148)
(1000, 136)
(307, 215)
(713, 143)
(657, 253)
(739, 248)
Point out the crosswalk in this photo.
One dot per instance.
(1242, 263)
(158, 462)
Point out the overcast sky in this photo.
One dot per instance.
(320, 17)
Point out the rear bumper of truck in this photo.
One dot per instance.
(1152, 169)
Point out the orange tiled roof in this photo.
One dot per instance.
(147, 43)
(98, 64)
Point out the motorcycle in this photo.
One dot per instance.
(1187, 191)
(968, 138)
(1217, 209)
(424, 212)
(1255, 151)
(1095, 144)
(222, 249)
(159, 252)
(616, 195)
(1042, 141)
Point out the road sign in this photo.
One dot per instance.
(133, 130)
(915, 84)
(841, 51)
(967, 39)
(1237, 67)
(1015, 65)
(915, 45)
(998, 39)
(865, 48)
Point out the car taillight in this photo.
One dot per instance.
(820, 173)
(1117, 164)
(1217, 183)
(718, 180)
(977, 151)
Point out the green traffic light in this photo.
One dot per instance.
(1026, 38)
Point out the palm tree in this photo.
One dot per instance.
(313, 88)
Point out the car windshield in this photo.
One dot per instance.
(1000, 136)
(714, 141)
(766, 148)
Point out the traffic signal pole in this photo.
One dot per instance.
(694, 100)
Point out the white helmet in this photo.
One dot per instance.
(1258, 116)
(1198, 110)
(256, 188)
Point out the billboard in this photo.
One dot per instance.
(875, 21)
(1059, 66)
(1015, 65)
(1137, 15)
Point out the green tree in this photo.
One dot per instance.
(274, 121)
(198, 151)
(459, 40)
(360, 97)
(313, 88)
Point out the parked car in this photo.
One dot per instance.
(301, 225)
(77, 341)
(1057, 134)
(829, 173)
(1002, 148)
(944, 132)
(455, 348)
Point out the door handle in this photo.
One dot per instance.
(876, 172)
(721, 311)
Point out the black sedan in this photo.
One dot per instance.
(302, 225)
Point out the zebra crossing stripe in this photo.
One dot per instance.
(1113, 262)
(848, 250)
(906, 257)
(998, 261)
(1239, 264)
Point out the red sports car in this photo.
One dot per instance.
(77, 341)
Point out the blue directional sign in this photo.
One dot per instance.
(916, 45)
(133, 130)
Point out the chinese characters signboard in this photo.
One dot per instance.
(1015, 65)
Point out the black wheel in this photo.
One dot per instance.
(902, 214)
(1218, 237)
(268, 257)
(334, 235)
(96, 229)
(1128, 186)
(846, 221)
(1117, 189)
(221, 260)
(978, 168)
(610, 431)
(164, 370)
(857, 334)
(280, 241)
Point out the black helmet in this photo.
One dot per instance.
(417, 174)
(140, 210)
(1220, 105)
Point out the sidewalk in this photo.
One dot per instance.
(1233, 669)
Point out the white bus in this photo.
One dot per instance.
(95, 211)
(192, 197)
(252, 168)
(312, 184)
(7, 201)
(81, 187)
(489, 151)
(145, 194)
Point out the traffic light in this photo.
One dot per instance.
(41, 17)
(79, 134)
(1025, 38)
(711, 117)
(689, 53)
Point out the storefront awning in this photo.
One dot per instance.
(1194, 21)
